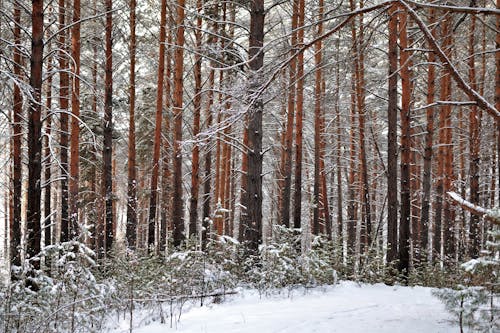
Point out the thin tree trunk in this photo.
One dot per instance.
(297, 198)
(94, 239)
(64, 106)
(286, 155)
(474, 146)
(497, 98)
(317, 122)
(166, 223)
(177, 206)
(392, 149)
(157, 134)
(15, 223)
(405, 218)
(338, 158)
(207, 177)
(445, 170)
(325, 207)
(131, 230)
(360, 94)
(428, 150)
(195, 161)
(47, 200)
(75, 121)
(108, 134)
(352, 207)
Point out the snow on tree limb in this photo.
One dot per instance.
(464, 86)
(457, 9)
(488, 214)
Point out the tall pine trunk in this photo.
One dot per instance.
(107, 153)
(299, 117)
(286, 154)
(157, 133)
(474, 150)
(64, 107)
(405, 209)
(177, 206)
(195, 161)
(252, 220)
(131, 230)
(33, 234)
(392, 148)
(15, 223)
(317, 123)
(75, 121)
(428, 150)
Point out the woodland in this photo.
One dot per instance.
(158, 152)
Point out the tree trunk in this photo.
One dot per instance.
(428, 150)
(497, 98)
(166, 222)
(157, 134)
(75, 121)
(207, 176)
(64, 106)
(131, 230)
(195, 161)
(108, 134)
(392, 148)
(317, 122)
(177, 206)
(15, 223)
(297, 198)
(445, 160)
(286, 155)
(47, 200)
(252, 221)
(404, 223)
(352, 207)
(338, 158)
(474, 146)
(33, 235)
(365, 233)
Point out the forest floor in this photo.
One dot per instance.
(346, 307)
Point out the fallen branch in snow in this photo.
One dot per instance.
(487, 214)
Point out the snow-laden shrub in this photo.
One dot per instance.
(476, 303)
(282, 264)
(68, 296)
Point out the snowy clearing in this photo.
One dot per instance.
(346, 307)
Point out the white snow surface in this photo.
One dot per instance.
(345, 307)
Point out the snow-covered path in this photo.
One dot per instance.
(346, 307)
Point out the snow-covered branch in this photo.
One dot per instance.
(488, 214)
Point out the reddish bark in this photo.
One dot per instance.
(15, 222)
(286, 154)
(177, 206)
(157, 133)
(75, 121)
(195, 160)
(299, 117)
(64, 106)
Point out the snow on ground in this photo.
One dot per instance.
(346, 307)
